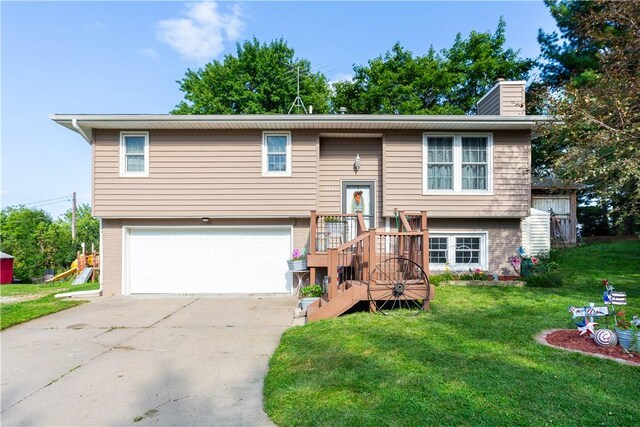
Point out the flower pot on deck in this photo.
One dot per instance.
(336, 229)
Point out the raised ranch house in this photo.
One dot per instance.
(215, 204)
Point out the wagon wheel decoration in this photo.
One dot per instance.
(398, 283)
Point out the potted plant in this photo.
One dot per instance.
(335, 226)
(628, 332)
(298, 260)
(309, 295)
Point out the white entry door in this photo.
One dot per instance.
(212, 260)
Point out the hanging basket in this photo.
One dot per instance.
(298, 265)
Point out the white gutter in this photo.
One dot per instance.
(74, 123)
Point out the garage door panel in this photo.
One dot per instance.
(209, 261)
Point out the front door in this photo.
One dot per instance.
(360, 196)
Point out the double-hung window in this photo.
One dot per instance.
(276, 154)
(134, 154)
(457, 163)
(458, 251)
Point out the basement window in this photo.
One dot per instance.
(458, 251)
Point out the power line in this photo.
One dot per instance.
(51, 203)
(63, 198)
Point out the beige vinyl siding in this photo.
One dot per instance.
(204, 173)
(504, 237)
(512, 100)
(337, 156)
(490, 105)
(112, 259)
(511, 179)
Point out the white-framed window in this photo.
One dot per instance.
(458, 251)
(276, 154)
(134, 154)
(457, 163)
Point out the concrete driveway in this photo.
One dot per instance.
(171, 360)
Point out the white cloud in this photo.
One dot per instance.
(341, 77)
(201, 35)
(149, 53)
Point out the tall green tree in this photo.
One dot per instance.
(449, 82)
(477, 61)
(598, 139)
(22, 233)
(260, 79)
(567, 56)
(38, 243)
(571, 52)
(396, 83)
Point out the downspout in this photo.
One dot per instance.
(74, 123)
(95, 292)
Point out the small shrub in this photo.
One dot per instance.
(547, 280)
(437, 279)
(311, 291)
(476, 274)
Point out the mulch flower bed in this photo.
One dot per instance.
(571, 339)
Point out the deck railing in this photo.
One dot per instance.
(332, 230)
(356, 259)
(411, 221)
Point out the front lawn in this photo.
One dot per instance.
(21, 303)
(472, 360)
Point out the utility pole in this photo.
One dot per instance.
(73, 216)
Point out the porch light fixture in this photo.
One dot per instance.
(357, 162)
(205, 219)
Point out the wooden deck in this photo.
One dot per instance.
(368, 265)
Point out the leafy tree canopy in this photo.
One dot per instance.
(598, 140)
(37, 242)
(260, 79)
(449, 82)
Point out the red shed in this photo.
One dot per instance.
(6, 268)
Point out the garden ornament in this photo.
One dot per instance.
(605, 338)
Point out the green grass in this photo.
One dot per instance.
(471, 361)
(42, 304)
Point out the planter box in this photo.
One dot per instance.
(627, 340)
(306, 302)
(297, 265)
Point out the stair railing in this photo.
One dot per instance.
(356, 259)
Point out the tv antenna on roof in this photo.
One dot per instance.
(297, 103)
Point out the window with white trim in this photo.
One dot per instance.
(134, 154)
(457, 163)
(458, 251)
(276, 154)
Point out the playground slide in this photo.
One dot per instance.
(83, 277)
(63, 275)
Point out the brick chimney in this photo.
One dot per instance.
(506, 98)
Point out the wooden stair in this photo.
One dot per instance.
(355, 291)
(365, 257)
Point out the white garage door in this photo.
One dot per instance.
(221, 260)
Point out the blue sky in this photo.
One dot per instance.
(124, 57)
